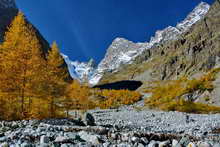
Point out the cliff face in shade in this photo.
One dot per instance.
(8, 11)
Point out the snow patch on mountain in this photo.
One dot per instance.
(83, 71)
(198, 13)
(122, 51)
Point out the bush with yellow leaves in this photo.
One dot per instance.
(116, 98)
(167, 95)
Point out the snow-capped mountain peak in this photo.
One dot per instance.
(80, 70)
(123, 51)
(198, 13)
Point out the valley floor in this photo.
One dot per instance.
(123, 127)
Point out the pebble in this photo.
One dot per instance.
(174, 142)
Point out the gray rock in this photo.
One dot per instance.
(88, 119)
(106, 144)
(135, 139)
(174, 142)
(44, 139)
(140, 145)
(178, 145)
(216, 145)
(94, 139)
(191, 144)
(44, 145)
(123, 145)
(144, 140)
(25, 144)
(153, 144)
(2, 139)
(65, 145)
(4, 144)
(184, 141)
(61, 139)
(203, 144)
(164, 143)
(125, 137)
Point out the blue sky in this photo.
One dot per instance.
(85, 28)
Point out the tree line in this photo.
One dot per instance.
(34, 84)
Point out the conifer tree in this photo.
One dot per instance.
(20, 61)
(56, 77)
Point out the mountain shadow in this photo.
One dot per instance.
(121, 85)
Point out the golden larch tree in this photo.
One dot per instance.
(21, 61)
(56, 77)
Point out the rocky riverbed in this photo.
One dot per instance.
(116, 127)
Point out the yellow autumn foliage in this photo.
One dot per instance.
(167, 95)
(116, 98)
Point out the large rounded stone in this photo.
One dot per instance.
(191, 144)
(203, 144)
(4, 144)
(216, 145)
(94, 139)
(174, 142)
(88, 119)
(164, 143)
(153, 144)
(44, 139)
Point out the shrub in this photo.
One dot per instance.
(116, 98)
(167, 95)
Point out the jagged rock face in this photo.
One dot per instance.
(80, 70)
(122, 51)
(194, 16)
(196, 51)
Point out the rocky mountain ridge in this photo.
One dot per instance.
(123, 52)
(195, 53)
(81, 71)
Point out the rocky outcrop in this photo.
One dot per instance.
(123, 52)
(194, 53)
(82, 71)
(195, 50)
